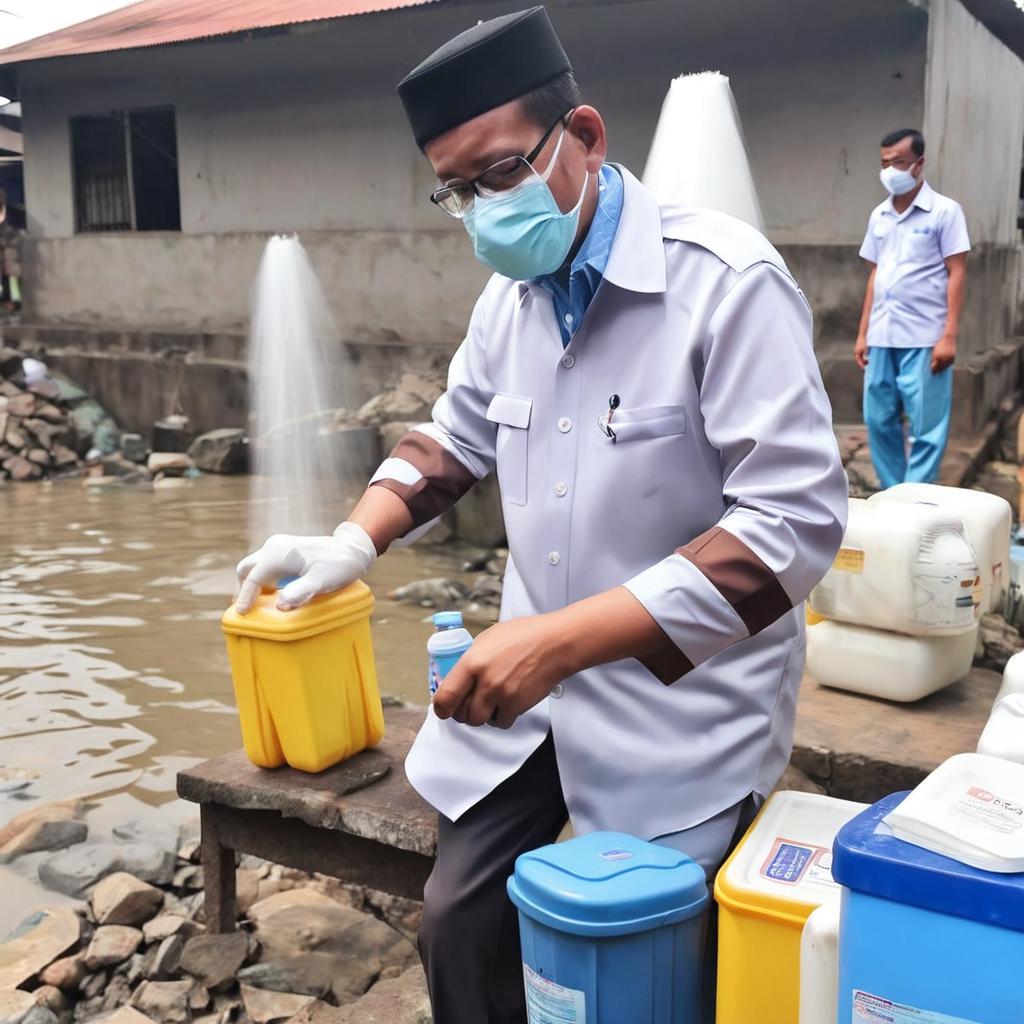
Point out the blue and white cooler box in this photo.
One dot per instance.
(612, 930)
(925, 939)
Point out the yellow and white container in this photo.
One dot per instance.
(780, 872)
(819, 966)
(305, 680)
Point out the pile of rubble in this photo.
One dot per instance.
(135, 949)
(39, 432)
(174, 457)
(50, 427)
(481, 598)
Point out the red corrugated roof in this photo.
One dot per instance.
(157, 22)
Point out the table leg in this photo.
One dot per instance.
(218, 873)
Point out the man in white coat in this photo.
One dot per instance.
(642, 379)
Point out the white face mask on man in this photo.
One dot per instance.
(897, 182)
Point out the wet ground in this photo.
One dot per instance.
(113, 671)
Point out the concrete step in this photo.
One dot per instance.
(863, 748)
(965, 456)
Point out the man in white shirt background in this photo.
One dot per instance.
(917, 245)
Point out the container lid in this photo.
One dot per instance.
(607, 883)
(783, 866)
(971, 808)
(449, 641)
(265, 621)
(447, 620)
(870, 859)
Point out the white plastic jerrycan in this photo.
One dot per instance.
(905, 568)
(987, 520)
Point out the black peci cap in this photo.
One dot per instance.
(480, 69)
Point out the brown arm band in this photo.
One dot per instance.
(443, 482)
(750, 587)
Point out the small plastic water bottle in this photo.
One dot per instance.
(449, 643)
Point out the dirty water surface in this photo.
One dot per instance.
(113, 669)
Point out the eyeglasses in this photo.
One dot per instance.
(901, 163)
(456, 197)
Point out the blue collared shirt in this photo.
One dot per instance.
(909, 250)
(572, 297)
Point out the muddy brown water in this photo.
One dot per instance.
(113, 670)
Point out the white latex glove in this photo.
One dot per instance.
(323, 565)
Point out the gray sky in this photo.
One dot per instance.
(23, 19)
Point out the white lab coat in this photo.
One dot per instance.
(720, 505)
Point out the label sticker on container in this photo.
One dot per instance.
(793, 863)
(878, 1010)
(615, 855)
(548, 1003)
(992, 812)
(945, 601)
(849, 560)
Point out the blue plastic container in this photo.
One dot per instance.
(924, 939)
(612, 931)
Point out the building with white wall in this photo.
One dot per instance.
(296, 127)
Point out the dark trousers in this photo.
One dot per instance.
(469, 935)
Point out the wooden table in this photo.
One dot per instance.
(360, 821)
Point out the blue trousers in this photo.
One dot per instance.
(898, 381)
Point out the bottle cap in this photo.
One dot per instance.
(447, 620)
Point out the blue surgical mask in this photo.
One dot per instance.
(522, 233)
(897, 182)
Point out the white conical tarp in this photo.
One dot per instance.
(698, 156)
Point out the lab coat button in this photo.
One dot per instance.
(557, 690)
(565, 424)
(568, 361)
(560, 489)
(554, 558)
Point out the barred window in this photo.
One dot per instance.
(126, 171)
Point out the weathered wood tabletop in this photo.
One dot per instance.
(360, 821)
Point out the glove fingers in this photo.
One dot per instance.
(320, 579)
(265, 573)
(278, 557)
(246, 565)
(298, 592)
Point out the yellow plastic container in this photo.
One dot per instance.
(305, 680)
(780, 872)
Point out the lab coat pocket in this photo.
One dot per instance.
(512, 414)
(646, 424)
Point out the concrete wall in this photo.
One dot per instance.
(382, 285)
(974, 121)
(974, 130)
(301, 132)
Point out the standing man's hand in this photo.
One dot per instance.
(860, 351)
(944, 353)
(511, 667)
(321, 565)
